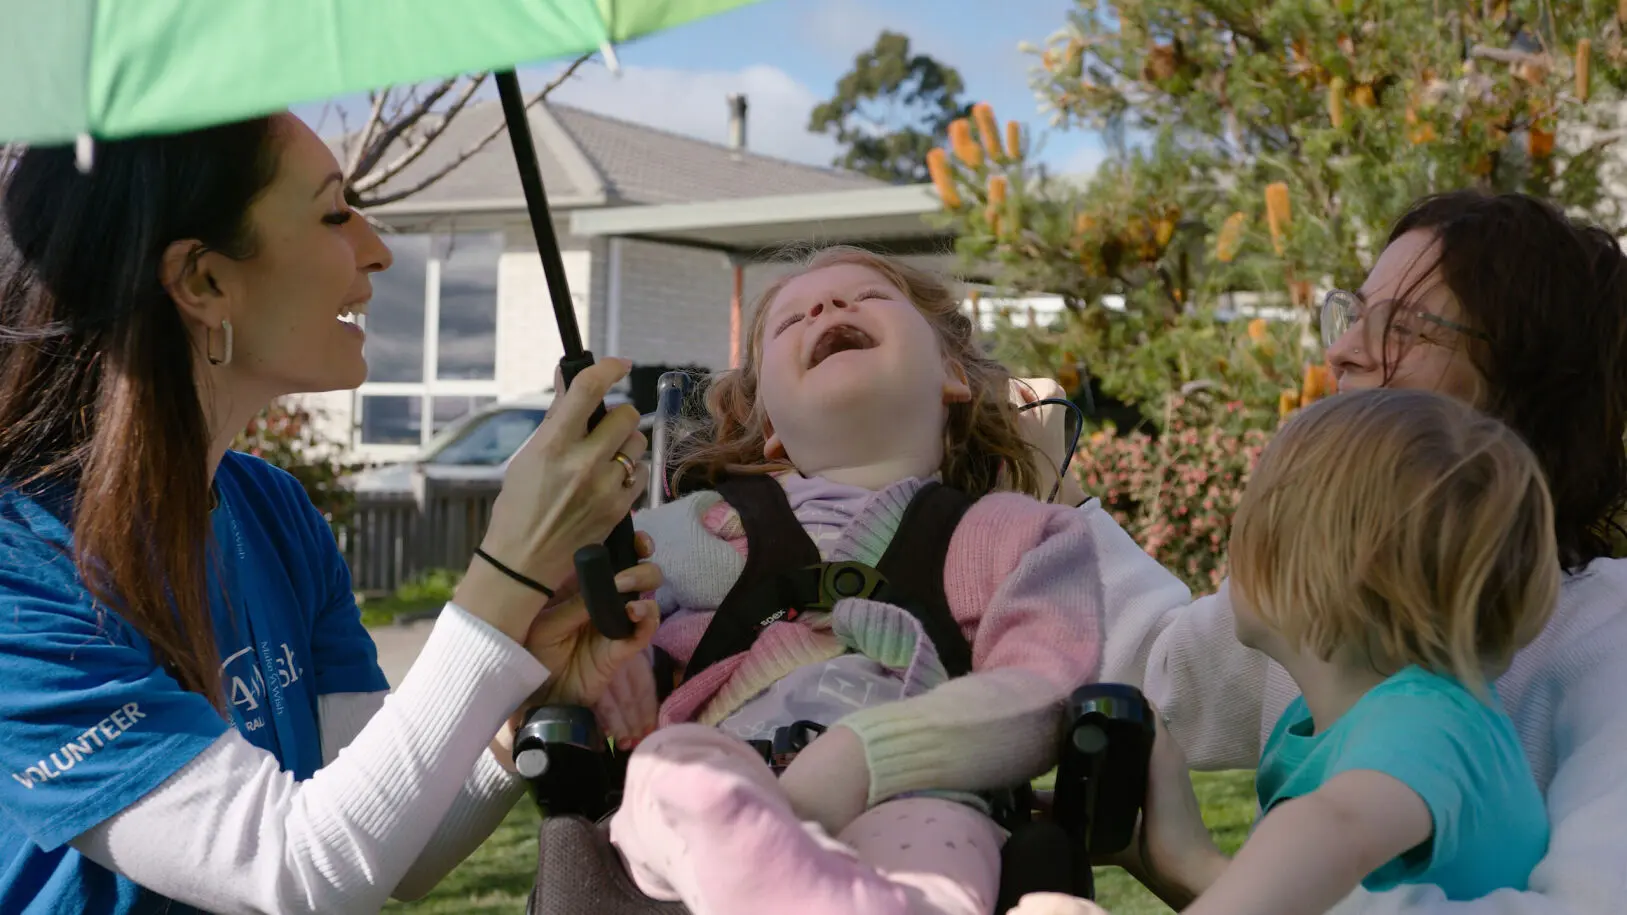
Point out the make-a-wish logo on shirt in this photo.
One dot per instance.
(246, 684)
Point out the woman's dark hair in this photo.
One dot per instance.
(97, 383)
(1550, 295)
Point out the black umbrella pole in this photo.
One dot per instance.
(542, 223)
(596, 566)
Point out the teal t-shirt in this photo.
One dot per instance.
(1459, 754)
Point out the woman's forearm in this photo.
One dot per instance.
(487, 795)
(240, 835)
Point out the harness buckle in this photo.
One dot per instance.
(838, 580)
(787, 742)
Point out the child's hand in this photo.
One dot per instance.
(829, 780)
(1055, 904)
(627, 710)
(1177, 854)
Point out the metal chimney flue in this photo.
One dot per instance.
(737, 122)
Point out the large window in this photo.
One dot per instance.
(431, 337)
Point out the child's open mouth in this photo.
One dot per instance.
(839, 338)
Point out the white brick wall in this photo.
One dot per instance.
(528, 347)
(674, 305)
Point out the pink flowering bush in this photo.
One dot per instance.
(285, 434)
(1175, 493)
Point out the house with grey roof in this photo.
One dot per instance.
(666, 240)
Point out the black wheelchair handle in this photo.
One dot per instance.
(1101, 780)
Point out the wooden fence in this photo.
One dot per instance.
(394, 537)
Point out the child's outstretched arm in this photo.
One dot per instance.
(1310, 852)
(1025, 578)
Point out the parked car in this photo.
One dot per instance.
(476, 447)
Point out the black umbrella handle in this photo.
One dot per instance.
(596, 565)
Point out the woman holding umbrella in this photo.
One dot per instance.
(190, 709)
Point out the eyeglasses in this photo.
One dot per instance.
(1341, 309)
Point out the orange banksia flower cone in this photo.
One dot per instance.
(960, 140)
(997, 191)
(1287, 402)
(1539, 143)
(1231, 238)
(1584, 64)
(1318, 383)
(1277, 213)
(987, 129)
(937, 163)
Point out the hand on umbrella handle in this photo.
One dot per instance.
(596, 565)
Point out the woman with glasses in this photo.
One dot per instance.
(1503, 302)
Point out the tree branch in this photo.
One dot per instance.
(10, 155)
(399, 124)
(1227, 22)
(1508, 55)
(375, 118)
(415, 149)
(477, 146)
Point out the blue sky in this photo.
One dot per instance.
(786, 56)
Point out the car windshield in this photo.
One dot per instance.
(491, 440)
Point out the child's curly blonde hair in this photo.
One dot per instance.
(983, 445)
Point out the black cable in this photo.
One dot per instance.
(1073, 437)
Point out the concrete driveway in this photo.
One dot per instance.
(398, 646)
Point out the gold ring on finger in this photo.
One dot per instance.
(629, 467)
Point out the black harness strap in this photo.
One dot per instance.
(914, 566)
(775, 544)
(784, 574)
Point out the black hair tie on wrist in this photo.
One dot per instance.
(531, 583)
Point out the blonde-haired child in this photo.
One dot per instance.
(1393, 550)
(862, 387)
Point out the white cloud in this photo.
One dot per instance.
(1084, 161)
(843, 28)
(693, 102)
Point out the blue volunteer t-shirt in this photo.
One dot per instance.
(89, 724)
(1459, 754)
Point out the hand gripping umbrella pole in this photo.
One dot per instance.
(596, 564)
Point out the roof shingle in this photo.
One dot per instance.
(585, 156)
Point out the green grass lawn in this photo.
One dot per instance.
(497, 878)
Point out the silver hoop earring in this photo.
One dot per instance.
(225, 357)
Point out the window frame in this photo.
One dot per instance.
(431, 385)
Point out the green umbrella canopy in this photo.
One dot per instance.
(79, 70)
(118, 68)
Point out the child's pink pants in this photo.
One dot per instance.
(703, 820)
